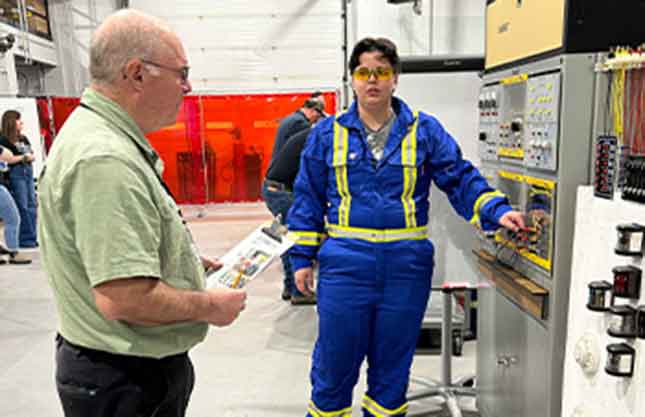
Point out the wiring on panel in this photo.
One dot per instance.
(625, 68)
(620, 149)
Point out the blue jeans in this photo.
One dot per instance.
(279, 202)
(11, 218)
(21, 179)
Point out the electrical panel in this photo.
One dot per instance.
(535, 136)
(519, 121)
(519, 132)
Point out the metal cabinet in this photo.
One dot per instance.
(512, 359)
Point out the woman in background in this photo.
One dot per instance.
(21, 176)
(9, 212)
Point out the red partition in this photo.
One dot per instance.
(220, 145)
(62, 108)
(44, 120)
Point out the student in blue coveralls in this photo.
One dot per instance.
(364, 179)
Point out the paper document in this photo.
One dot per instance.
(251, 256)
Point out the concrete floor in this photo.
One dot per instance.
(258, 367)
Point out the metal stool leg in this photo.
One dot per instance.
(444, 388)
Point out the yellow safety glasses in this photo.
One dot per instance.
(381, 73)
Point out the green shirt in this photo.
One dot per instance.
(104, 215)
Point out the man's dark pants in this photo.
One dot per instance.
(93, 383)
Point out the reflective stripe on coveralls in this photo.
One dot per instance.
(379, 411)
(307, 238)
(409, 162)
(316, 412)
(378, 235)
(481, 202)
(341, 147)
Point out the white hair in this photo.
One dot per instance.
(122, 36)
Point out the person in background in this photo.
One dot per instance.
(277, 195)
(21, 176)
(364, 180)
(128, 280)
(311, 111)
(9, 212)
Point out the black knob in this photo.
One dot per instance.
(482, 135)
(516, 126)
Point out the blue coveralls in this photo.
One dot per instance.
(376, 265)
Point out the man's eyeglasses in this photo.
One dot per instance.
(381, 73)
(182, 72)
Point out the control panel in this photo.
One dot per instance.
(542, 102)
(489, 123)
(519, 119)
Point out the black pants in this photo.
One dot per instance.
(93, 383)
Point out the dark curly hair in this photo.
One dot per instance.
(382, 45)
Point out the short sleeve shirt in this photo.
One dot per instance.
(104, 215)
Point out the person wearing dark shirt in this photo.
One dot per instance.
(21, 176)
(277, 198)
(312, 110)
(284, 167)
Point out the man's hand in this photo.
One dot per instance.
(226, 305)
(513, 220)
(305, 281)
(211, 264)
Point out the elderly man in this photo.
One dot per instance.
(126, 275)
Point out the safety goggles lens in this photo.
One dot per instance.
(381, 73)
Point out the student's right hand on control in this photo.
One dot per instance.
(226, 305)
(305, 281)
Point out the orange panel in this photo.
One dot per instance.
(220, 146)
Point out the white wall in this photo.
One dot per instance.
(250, 45)
(271, 45)
(444, 26)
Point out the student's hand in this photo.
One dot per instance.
(226, 305)
(513, 220)
(211, 264)
(304, 278)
